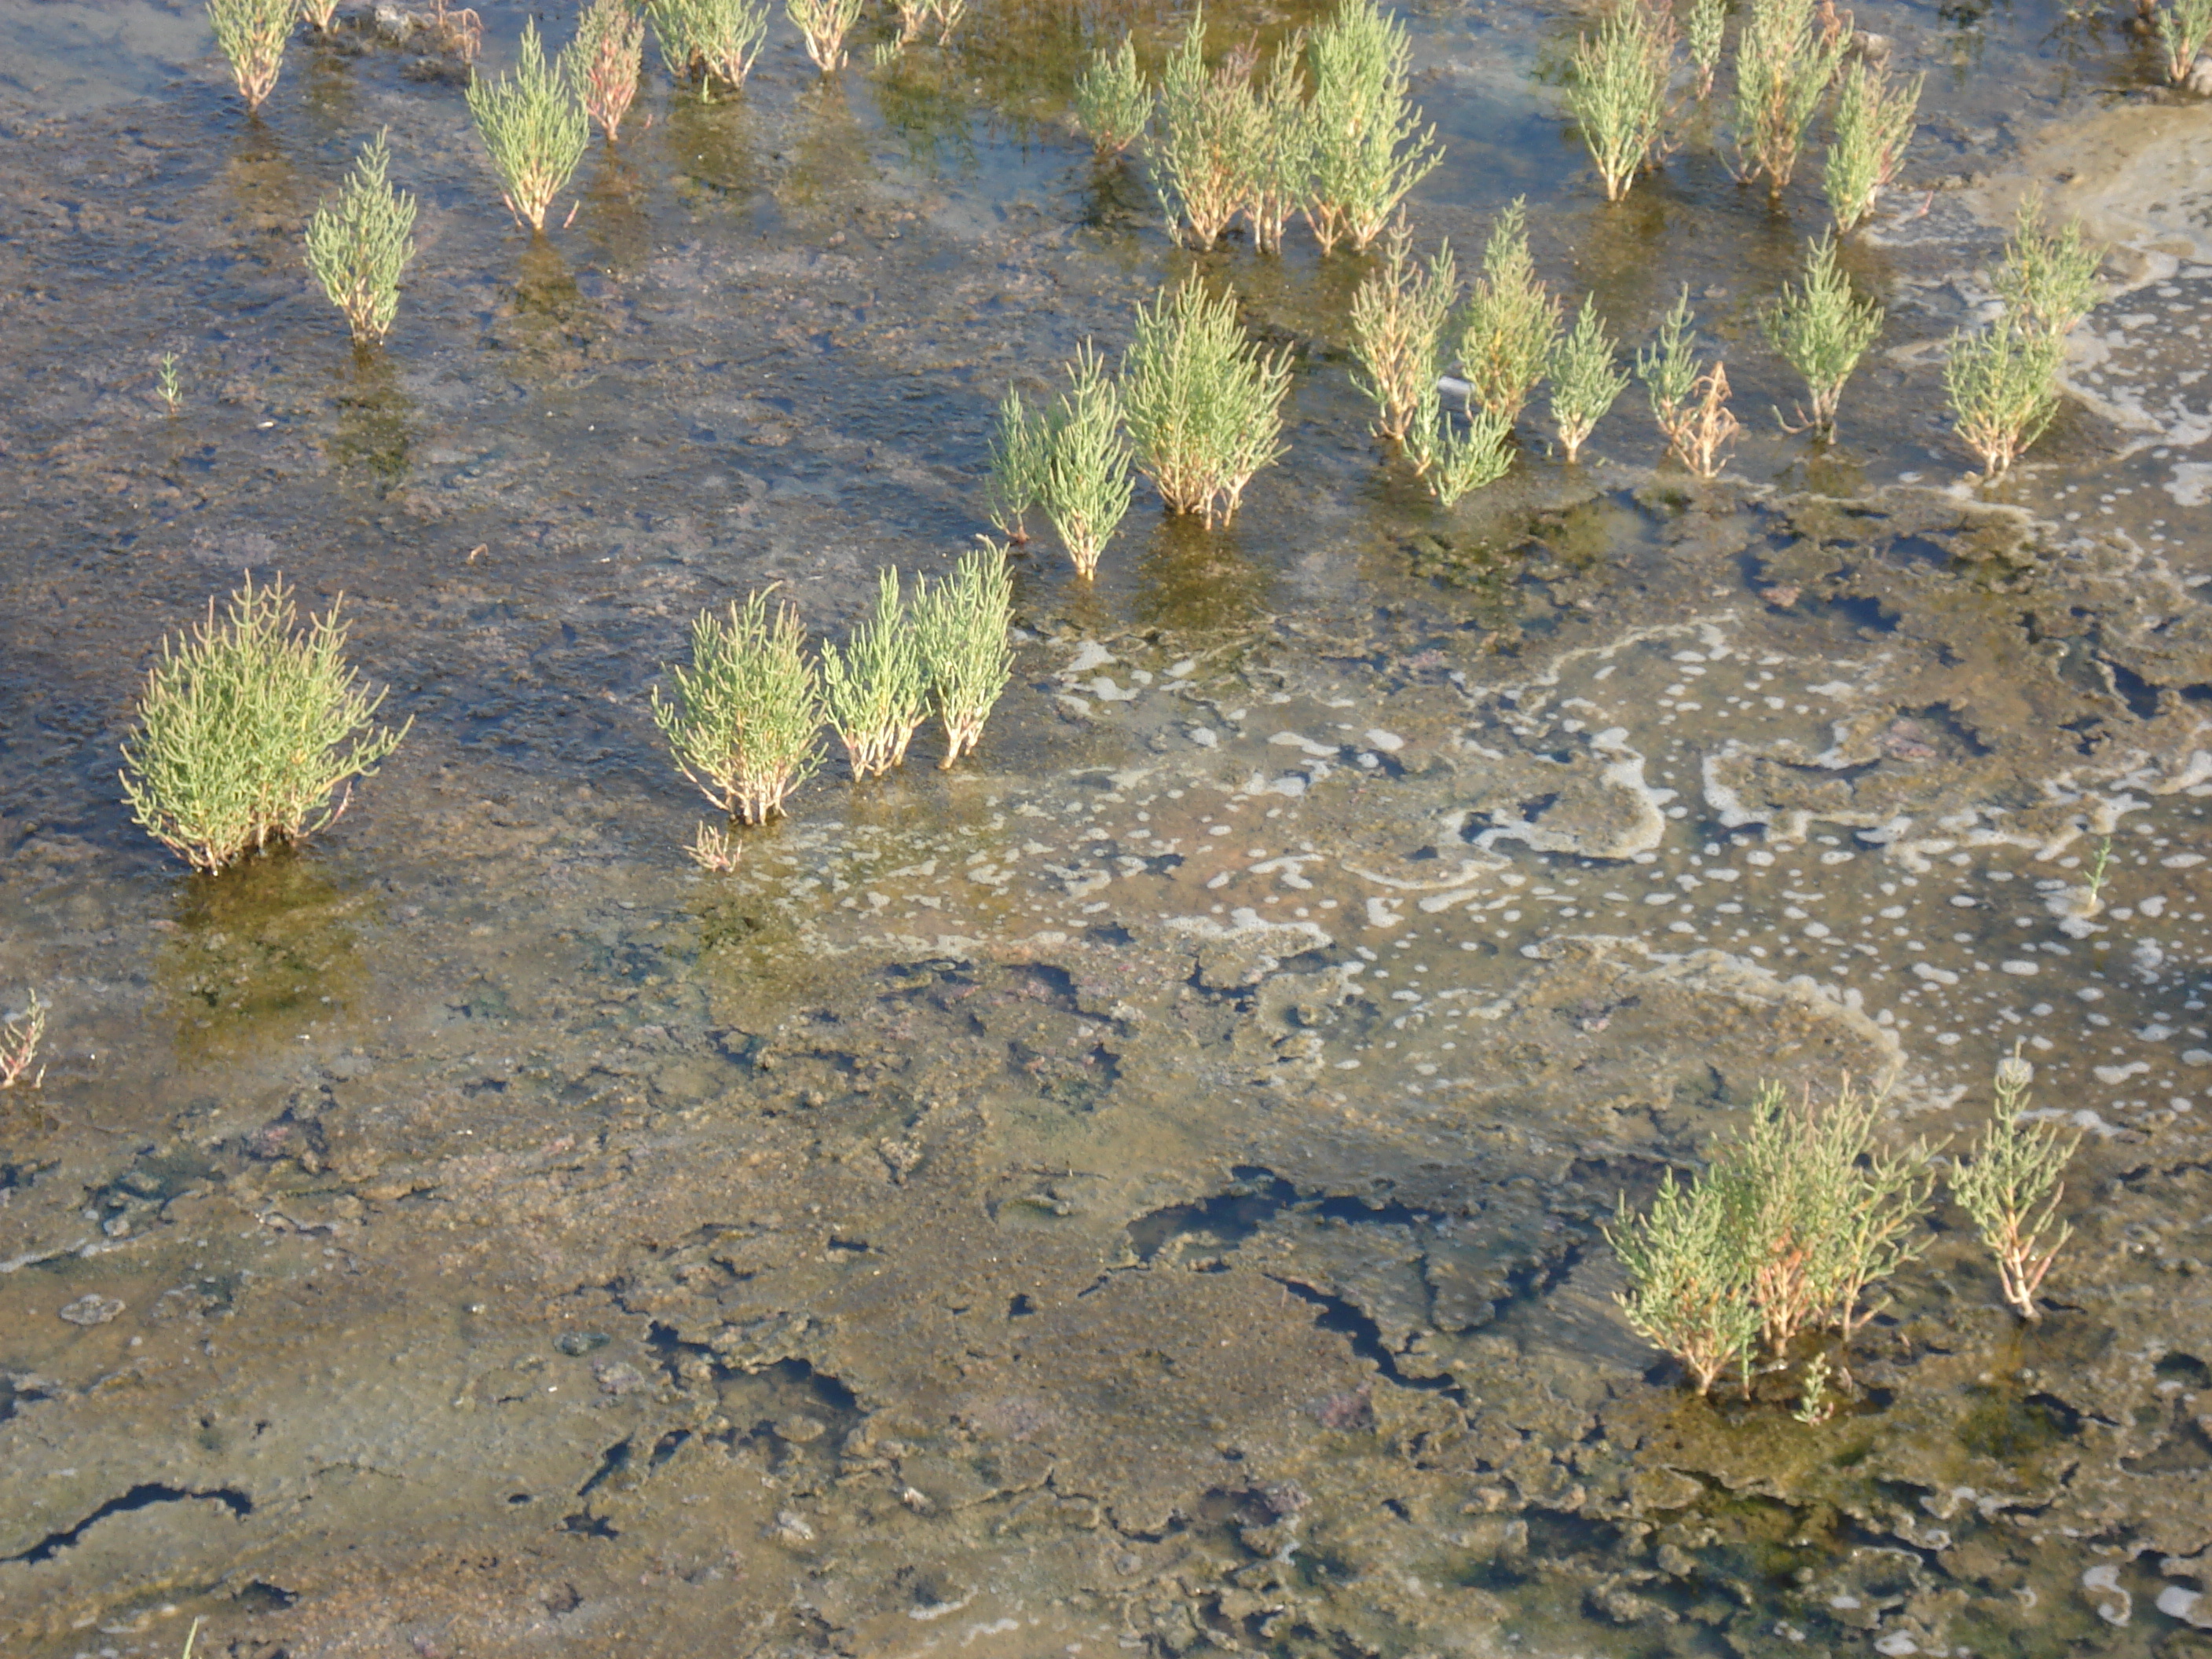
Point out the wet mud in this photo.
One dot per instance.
(1143, 1191)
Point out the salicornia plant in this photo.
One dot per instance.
(1452, 460)
(534, 127)
(1873, 124)
(963, 622)
(2049, 279)
(710, 40)
(317, 14)
(1586, 380)
(1086, 476)
(1784, 59)
(171, 385)
(1369, 146)
(875, 690)
(253, 34)
(1113, 100)
(1821, 330)
(1512, 320)
(1021, 448)
(1703, 29)
(1203, 402)
(1278, 151)
(2011, 1187)
(604, 60)
(1617, 95)
(247, 728)
(1398, 315)
(20, 1037)
(1689, 402)
(2183, 27)
(1207, 139)
(824, 23)
(745, 722)
(2001, 381)
(1689, 1278)
(358, 245)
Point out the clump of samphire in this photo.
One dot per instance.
(1789, 53)
(875, 690)
(709, 41)
(1617, 95)
(1512, 320)
(358, 245)
(535, 128)
(1787, 1232)
(963, 623)
(824, 23)
(1203, 401)
(2011, 1187)
(1021, 458)
(247, 728)
(20, 1037)
(1821, 330)
(1086, 486)
(604, 61)
(1586, 380)
(1113, 101)
(1873, 125)
(253, 34)
(1398, 315)
(1367, 143)
(745, 723)
(1689, 402)
(2003, 379)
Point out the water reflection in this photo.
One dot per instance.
(923, 98)
(615, 212)
(829, 159)
(711, 147)
(1193, 578)
(374, 431)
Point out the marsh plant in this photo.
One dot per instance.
(1454, 460)
(875, 690)
(169, 385)
(1398, 315)
(824, 24)
(2010, 1187)
(604, 61)
(1587, 379)
(709, 41)
(1786, 57)
(920, 17)
(1113, 100)
(2183, 28)
(1203, 402)
(1207, 138)
(1790, 1230)
(1512, 320)
(1086, 477)
(745, 720)
(2049, 277)
(253, 34)
(2002, 386)
(1369, 146)
(1617, 94)
(1822, 328)
(247, 727)
(1705, 30)
(1688, 400)
(1278, 152)
(534, 127)
(317, 14)
(1873, 125)
(1021, 451)
(359, 245)
(20, 1037)
(963, 623)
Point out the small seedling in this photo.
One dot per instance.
(253, 34)
(963, 625)
(1203, 402)
(535, 128)
(1113, 101)
(2003, 386)
(604, 60)
(1873, 125)
(20, 1037)
(1086, 478)
(1787, 54)
(875, 690)
(1586, 380)
(1816, 1403)
(1021, 449)
(247, 728)
(358, 247)
(1453, 462)
(824, 23)
(1369, 146)
(1208, 139)
(2011, 1187)
(716, 848)
(1398, 315)
(710, 40)
(916, 18)
(2097, 874)
(171, 385)
(746, 717)
(2183, 27)
(1821, 330)
(1617, 95)
(1512, 320)
(1704, 31)
(2049, 279)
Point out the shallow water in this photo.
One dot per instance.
(1139, 1190)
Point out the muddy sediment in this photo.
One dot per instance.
(1143, 1191)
